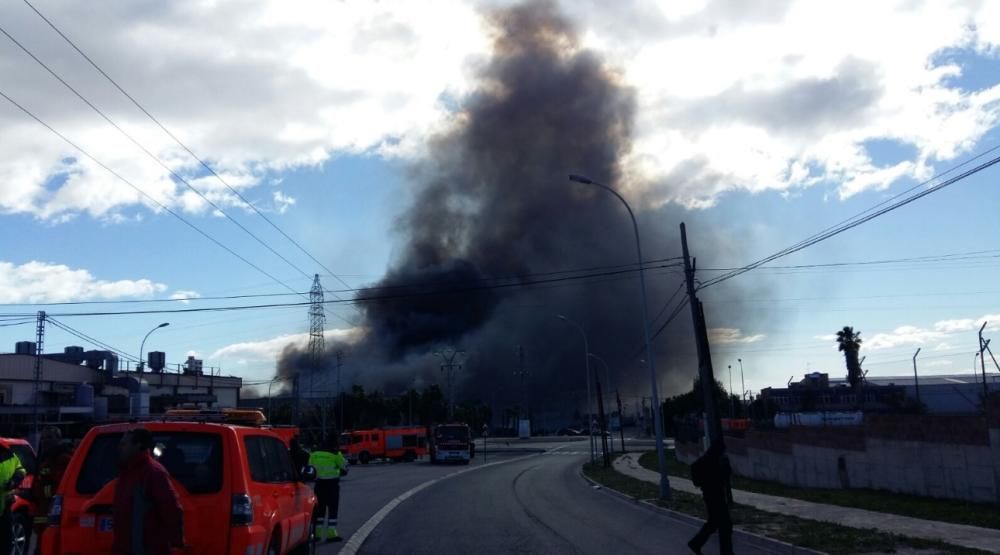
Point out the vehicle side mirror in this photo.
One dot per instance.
(308, 473)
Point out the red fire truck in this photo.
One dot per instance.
(399, 443)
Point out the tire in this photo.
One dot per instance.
(410, 456)
(274, 546)
(20, 534)
(364, 457)
(308, 547)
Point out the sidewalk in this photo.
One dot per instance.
(974, 537)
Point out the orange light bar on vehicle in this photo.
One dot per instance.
(236, 416)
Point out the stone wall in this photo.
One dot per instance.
(956, 457)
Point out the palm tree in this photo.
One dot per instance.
(849, 341)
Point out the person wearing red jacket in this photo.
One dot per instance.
(148, 516)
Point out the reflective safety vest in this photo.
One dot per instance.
(8, 469)
(327, 464)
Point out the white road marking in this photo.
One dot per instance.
(358, 538)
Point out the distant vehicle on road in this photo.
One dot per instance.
(452, 443)
(401, 443)
(569, 432)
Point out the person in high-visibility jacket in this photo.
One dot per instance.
(330, 465)
(11, 475)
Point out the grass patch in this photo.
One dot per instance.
(822, 536)
(943, 510)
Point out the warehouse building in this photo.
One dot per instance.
(79, 385)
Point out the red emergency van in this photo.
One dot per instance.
(237, 484)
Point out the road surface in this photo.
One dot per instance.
(368, 488)
(538, 504)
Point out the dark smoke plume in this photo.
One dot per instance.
(493, 199)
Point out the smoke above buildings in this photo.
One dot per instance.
(492, 205)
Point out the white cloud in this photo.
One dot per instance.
(731, 95)
(282, 202)
(268, 350)
(944, 346)
(184, 296)
(732, 335)
(42, 282)
(968, 324)
(903, 335)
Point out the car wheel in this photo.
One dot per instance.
(364, 457)
(20, 534)
(410, 456)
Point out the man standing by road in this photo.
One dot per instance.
(711, 473)
(148, 517)
(11, 474)
(330, 465)
(53, 459)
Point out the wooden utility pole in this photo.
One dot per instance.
(603, 423)
(621, 419)
(706, 374)
(982, 347)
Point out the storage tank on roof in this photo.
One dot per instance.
(24, 348)
(73, 354)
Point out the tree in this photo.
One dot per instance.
(849, 342)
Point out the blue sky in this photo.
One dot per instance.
(319, 132)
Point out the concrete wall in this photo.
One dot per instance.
(934, 456)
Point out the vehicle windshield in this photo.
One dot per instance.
(452, 433)
(345, 439)
(26, 456)
(193, 459)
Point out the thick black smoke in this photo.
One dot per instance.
(493, 200)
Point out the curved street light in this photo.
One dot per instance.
(586, 378)
(658, 421)
(142, 363)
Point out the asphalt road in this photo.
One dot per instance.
(368, 488)
(539, 504)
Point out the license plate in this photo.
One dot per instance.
(106, 524)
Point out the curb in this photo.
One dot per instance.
(769, 545)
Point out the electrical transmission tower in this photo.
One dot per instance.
(449, 366)
(317, 325)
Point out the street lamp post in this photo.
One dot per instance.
(586, 378)
(142, 346)
(607, 382)
(660, 453)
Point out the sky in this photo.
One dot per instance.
(769, 121)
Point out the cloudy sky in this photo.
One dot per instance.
(771, 120)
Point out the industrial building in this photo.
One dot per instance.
(948, 394)
(77, 385)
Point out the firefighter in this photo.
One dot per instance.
(11, 475)
(330, 465)
(53, 459)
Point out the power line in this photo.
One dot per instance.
(155, 158)
(143, 193)
(297, 293)
(836, 230)
(953, 257)
(72, 331)
(181, 144)
(360, 299)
